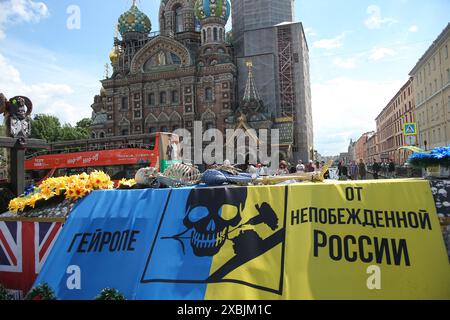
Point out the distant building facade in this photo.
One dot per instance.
(360, 148)
(371, 147)
(431, 82)
(390, 125)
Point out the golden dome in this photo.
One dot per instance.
(114, 55)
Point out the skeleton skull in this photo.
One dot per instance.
(210, 213)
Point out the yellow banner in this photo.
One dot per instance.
(345, 240)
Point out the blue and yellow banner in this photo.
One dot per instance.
(363, 240)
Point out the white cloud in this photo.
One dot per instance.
(375, 20)
(349, 63)
(378, 53)
(20, 11)
(48, 98)
(330, 44)
(413, 28)
(310, 32)
(345, 108)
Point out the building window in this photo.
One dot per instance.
(204, 35)
(178, 20)
(175, 127)
(151, 130)
(124, 105)
(124, 132)
(209, 125)
(164, 129)
(208, 94)
(215, 34)
(93, 136)
(446, 51)
(102, 134)
(162, 98)
(151, 99)
(175, 97)
(198, 25)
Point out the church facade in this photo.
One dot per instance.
(186, 72)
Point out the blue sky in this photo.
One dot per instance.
(360, 51)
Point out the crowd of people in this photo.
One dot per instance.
(360, 171)
(353, 171)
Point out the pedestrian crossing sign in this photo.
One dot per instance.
(410, 129)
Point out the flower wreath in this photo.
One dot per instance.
(41, 292)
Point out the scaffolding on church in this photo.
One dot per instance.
(286, 72)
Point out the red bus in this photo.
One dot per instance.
(119, 157)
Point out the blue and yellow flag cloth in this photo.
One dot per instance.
(343, 240)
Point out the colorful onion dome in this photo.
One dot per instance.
(134, 20)
(212, 8)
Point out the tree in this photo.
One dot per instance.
(49, 128)
(84, 124)
(46, 127)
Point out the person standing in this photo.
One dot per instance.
(282, 169)
(353, 171)
(300, 167)
(309, 167)
(344, 172)
(391, 169)
(375, 168)
(362, 170)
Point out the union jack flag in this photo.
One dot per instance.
(24, 247)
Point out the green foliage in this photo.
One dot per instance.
(41, 292)
(4, 295)
(84, 123)
(49, 128)
(110, 294)
(45, 127)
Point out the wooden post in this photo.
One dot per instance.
(17, 159)
(18, 169)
